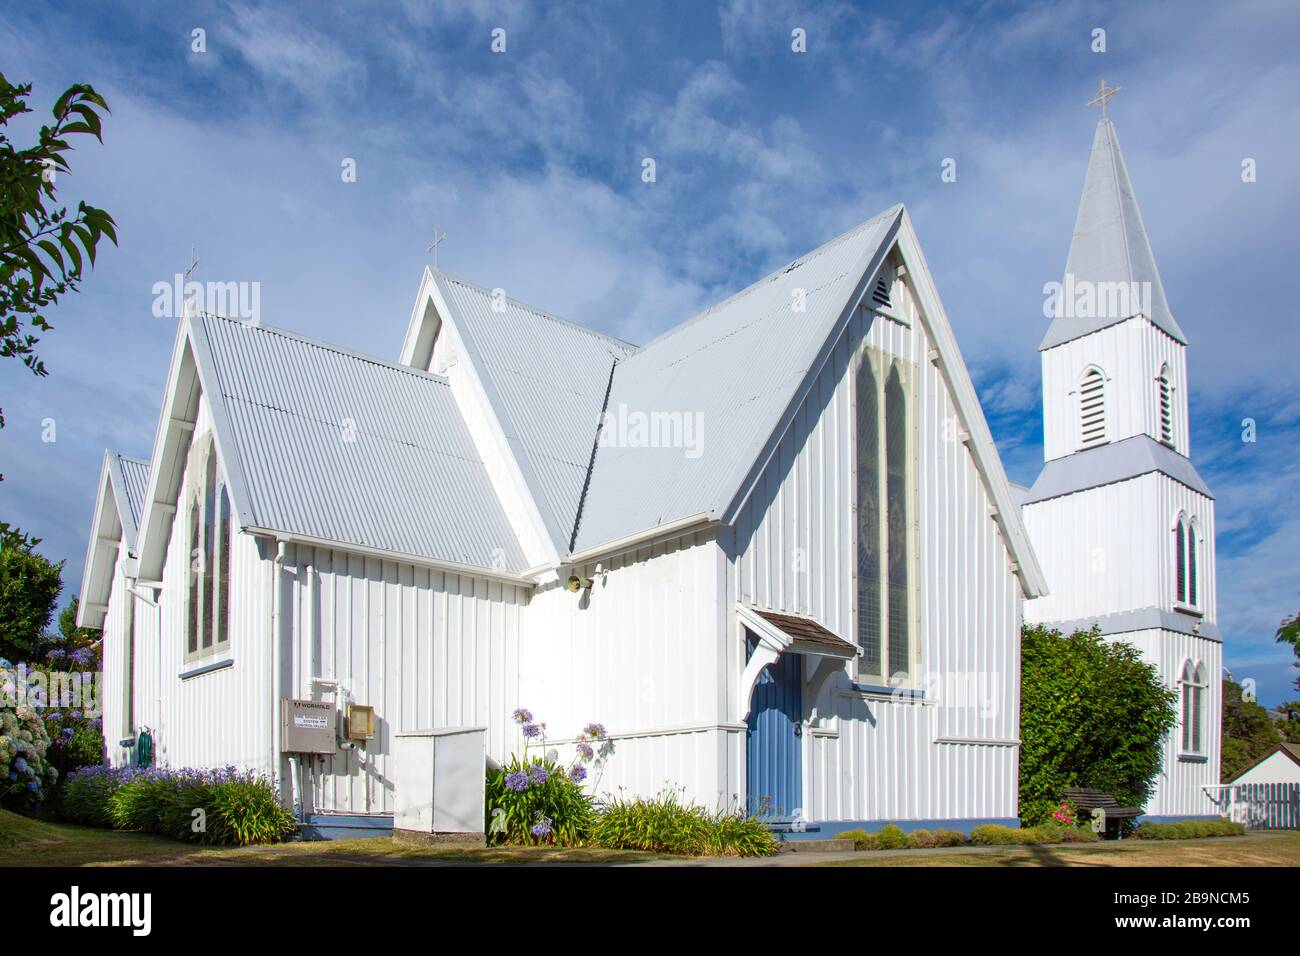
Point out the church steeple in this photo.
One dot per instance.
(1109, 246)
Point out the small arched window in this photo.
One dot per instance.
(1180, 561)
(1165, 407)
(1193, 587)
(1092, 408)
(207, 616)
(1192, 685)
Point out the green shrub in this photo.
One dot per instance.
(1079, 835)
(994, 834)
(667, 825)
(223, 807)
(890, 837)
(950, 838)
(922, 839)
(1188, 830)
(86, 793)
(1092, 714)
(536, 801)
(861, 839)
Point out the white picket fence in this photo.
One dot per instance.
(1260, 806)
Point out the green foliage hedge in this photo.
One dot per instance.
(891, 837)
(1188, 830)
(1092, 714)
(667, 825)
(212, 807)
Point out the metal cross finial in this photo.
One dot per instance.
(1104, 94)
(437, 241)
(194, 262)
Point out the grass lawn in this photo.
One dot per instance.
(28, 842)
(1275, 848)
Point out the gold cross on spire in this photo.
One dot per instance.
(1104, 93)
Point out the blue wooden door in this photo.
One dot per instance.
(773, 745)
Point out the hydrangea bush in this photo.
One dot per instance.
(537, 799)
(26, 775)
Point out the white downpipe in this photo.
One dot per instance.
(273, 669)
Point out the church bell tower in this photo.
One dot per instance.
(1122, 523)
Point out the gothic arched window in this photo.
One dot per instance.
(885, 501)
(207, 613)
(1192, 684)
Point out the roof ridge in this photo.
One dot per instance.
(329, 347)
(540, 313)
(774, 274)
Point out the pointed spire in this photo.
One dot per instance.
(1109, 246)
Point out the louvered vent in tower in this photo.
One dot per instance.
(1092, 408)
(1165, 401)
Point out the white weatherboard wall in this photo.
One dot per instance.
(425, 648)
(1278, 768)
(1180, 786)
(640, 653)
(872, 757)
(213, 719)
(1119, 538)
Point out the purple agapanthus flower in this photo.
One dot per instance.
(539, 774)
(584, 751)
(577, 773)
(531, 730)
(517, 781)
(594, 731)
(542, 828)
(523, 715)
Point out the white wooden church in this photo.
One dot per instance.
(773, 551)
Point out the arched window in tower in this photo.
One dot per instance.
(1165, 406)
(1092, 408)
(1180, 561)
(1193, 575)
(1192, 683)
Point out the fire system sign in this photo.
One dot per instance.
(308, 727)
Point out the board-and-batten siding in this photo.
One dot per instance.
(871, 758)
(1130, 354)
(639, 653)
(426, 648)
(1120, 539)
(1179, 787)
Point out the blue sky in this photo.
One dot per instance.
(531, 161)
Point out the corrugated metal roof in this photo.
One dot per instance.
(1110, 245)
(546, 379)
(134, 474)
(1116, 461)
(734, 370)
(349, 448)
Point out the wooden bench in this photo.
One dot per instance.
(1088, 800)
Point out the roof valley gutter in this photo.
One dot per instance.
(591, 462)
(454, 567)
